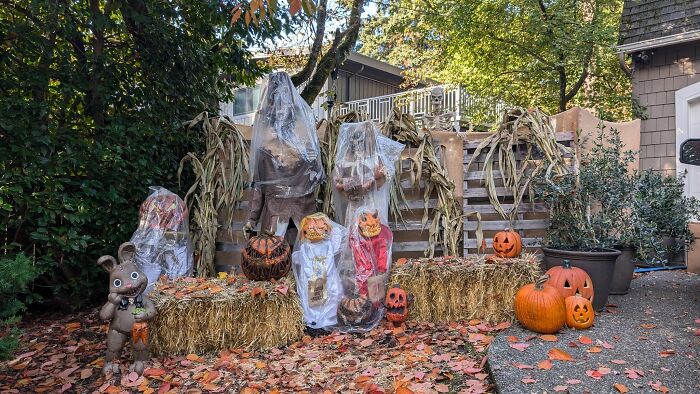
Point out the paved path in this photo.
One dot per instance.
(651, 330)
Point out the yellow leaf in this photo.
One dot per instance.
(224, 275)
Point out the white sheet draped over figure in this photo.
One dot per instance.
(314, 262)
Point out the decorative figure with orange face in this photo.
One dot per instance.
(285, 159)
(127, 309)
(314, 262)
(371, 245)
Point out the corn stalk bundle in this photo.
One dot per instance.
(446, 228)
(329, 144)
(220, 173)
(543, 155)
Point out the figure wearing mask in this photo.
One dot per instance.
(285, 160)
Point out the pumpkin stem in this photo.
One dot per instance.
(539, 283)
(567, 263)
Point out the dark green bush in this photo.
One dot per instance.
(92, 101)
(15, 275)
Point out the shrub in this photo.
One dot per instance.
(15, 276)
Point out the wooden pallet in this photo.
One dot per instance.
(532, 218)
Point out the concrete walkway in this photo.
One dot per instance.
(646, 343)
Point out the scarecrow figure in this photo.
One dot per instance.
(314, 262)
(285, 160)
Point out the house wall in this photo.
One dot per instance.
(350, 86)
(655, 84)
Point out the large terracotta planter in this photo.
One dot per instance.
(599, 265)
(624, 271)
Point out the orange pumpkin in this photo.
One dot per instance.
(369, 224)
(579, 312)
(396, 303)
(315, 227)
(507, 243)
(539, 307)
(570, 281)
(266, 257)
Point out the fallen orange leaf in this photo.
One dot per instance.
(558, 354)
(258, 291)
(621, 388)
(549, 338)
(594, 349)
(585, 340)
(545, 364)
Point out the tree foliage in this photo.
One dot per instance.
(93, 96)
(547, 53)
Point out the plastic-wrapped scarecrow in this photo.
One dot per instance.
(285, 159)
(314, 262)
(362, 176)
(162, 240)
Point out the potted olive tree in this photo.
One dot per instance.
(660, 204)
(590, 215)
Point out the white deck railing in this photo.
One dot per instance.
(415, 102)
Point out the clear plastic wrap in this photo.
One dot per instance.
(315, 265)
(362, 177)
(285, 159)
(364, 169)
(162, 240)
(364, 271)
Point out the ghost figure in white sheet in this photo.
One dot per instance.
(314, 262)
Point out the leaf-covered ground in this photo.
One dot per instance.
(65, 355)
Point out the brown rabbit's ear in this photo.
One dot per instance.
(127, 250)
(107, 262)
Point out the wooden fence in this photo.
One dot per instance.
(410, 235)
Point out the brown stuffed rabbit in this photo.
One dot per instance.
(127, 308)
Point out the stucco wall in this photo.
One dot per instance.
(655, 84)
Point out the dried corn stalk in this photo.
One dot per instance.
(446, 228)
(520, 126)
(220, 173)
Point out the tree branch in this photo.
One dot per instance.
(305, 73)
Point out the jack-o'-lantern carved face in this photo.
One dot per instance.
(369, 224)
(396, 304)
(569, 281)
(579, 312)
(507, 244)
(316, 227)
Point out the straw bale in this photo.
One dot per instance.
(448, 289)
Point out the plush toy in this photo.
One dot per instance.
(316, 270)
(371, 246)
(127, 308)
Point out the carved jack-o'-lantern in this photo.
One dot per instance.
(507, 244)
(266, 257)
(579, 312)
(354, 310)
(570, 281)
(396, 304)
(316, 227)
(369, 224)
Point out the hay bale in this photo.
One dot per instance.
(454, 289)
(200, 316)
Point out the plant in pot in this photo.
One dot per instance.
(590, 213)
(659, 203)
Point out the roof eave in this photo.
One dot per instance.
(674, 39)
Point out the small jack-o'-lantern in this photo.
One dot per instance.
(315, 227)
(396, 303)
(570, 281)
(369, 224)
(579, 312)
(354, 310)
(266, 257)
(507, 244)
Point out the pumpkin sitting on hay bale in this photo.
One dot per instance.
(462, 288)
(200, 316)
